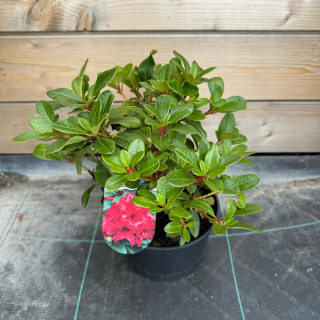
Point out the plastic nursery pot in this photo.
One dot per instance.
(171, 263)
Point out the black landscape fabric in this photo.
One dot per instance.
(54, 263)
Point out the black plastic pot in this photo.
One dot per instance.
(171, 263)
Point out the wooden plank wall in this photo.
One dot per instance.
(266, 51)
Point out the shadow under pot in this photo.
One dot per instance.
(172, 263)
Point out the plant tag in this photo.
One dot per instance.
(126, 227)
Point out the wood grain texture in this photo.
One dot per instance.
(109, 15)
(269, 126)
(255, 66)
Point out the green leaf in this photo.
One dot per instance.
(190, 90)
(195, 218)
(146, 68)
(219, 229)
(129, 122)
(160, 142)
(179, 178)
(197, 116)
(147, 193)
(188, 156)
(246, 161)
(161, 199)
(125, 158)
(216, 88)
(180, 212)
(106, 99)
(246, 181)
(164, 73)
(183, 128)
(103, 79)
(95, 114)
(240, 149)
(214, 185)
(162, 106)
(186, 234)
(41, 151)
(216, 171)
(136, 146)
(104, 146)
(78, 160)
(149, 167)
(204, 72)
(60, 144)
(230, 187)
(101, 174)
(67, 126)
(212, 157)
(45, 111)
(111, 160)
(176, 87)
(242, 202)
(77, 83)
(65, 97)
(180, 112)
(185, 62)
(200, 205)
(225, 147)
(85, 124)
(30, 135)
(243, 225)
(227, 124)
(132, 176)
(233, 106)
(173, 193)
(197, 125)
(115, 182)
(86, 196)
(229, 159)
(136, 158)
(143, 202)
(249, 209)
(118, 168)
(40, 125)
(173, 227)
(231, 209)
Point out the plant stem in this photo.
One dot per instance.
(207, 195)
(120, 90)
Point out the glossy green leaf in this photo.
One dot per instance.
(216, 88)
(188, 156)
(161, 199)
(180, 178)
(115, 182)
(102, 80)
(30, 135)
(162, 106)
(231, 209)
(233, 106)
(40, 125)
(146, 68)
(86, 196)
(149, 167)
(45, 111)
(132, 176)
(230, 187)
(107, 98)
(212, 157)
(200, 205)
(249, 209)
(60, 144)
(242, 202)
(41, 151)
(66, 97)
(214, 185)
(216, 171)
(101, 174)
(85, 124)
(183, 128)
(147, 193)
(136, 146)
(104, 146)
(180, 212)
(136, 158)
(219, 229)
(67, 126)
(160, 142)
(229, 159)
(173, 227)
(142, 201)
(129, 122)
(243, 225)
(78, 82)
(125, 158)
(246, 181)
(186, 234)
(111, 160)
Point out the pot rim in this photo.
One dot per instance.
(190, 243)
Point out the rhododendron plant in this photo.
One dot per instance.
(154, 139)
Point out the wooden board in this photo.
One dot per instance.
(74, 15)
(269, 126)
(255, 66)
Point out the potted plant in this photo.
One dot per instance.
(155, 146)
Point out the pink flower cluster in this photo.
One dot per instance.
(124, 220)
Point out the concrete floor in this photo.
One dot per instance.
(55, 265)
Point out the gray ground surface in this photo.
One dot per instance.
(48, 257)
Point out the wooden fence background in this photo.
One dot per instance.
(266, 51)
